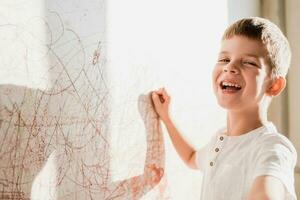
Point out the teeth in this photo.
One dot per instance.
(230, 84)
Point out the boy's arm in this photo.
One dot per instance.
(266, 188)
(274, 170)
(185, 150)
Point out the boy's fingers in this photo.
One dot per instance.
(162, 94)
(159, 96)
(159, 91)
(155, 96)
(165, 93)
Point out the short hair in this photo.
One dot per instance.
(278, 48)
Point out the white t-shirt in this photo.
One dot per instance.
(231, 163)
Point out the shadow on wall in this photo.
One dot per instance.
(45, 155)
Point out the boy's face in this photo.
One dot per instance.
(241, 74)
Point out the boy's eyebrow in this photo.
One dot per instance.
(247, 54)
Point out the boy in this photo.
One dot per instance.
(248, 159)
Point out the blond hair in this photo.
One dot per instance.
(278, 48)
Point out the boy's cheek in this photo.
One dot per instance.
(214, 87)
(213, 84)
(215, 76)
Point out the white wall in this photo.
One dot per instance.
(23, 35)
(71, 76)
(51, 110)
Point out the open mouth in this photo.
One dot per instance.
(230, 86)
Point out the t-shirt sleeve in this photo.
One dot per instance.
(278, 159)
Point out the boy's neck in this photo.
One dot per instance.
(241, 122)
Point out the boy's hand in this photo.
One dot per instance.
(161, 101)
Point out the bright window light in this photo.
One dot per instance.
(168, 43)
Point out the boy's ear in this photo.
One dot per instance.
(277, 86)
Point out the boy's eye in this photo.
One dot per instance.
(224, 60)
(250, 63)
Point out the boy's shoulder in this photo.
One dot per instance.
(272, 140)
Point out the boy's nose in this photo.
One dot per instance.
(230, 68)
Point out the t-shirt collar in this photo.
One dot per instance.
(266, 127)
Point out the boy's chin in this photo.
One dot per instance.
(229, 105)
